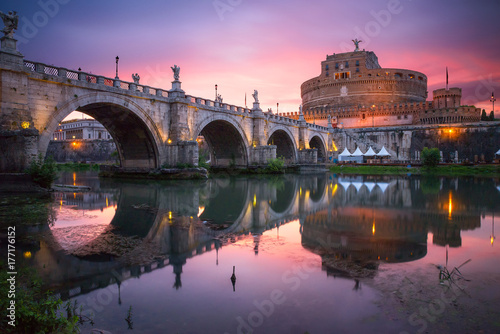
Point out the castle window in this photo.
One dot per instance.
(327, 73)
(398, 75)
(337, 76)
(357, 69)
(363, 116)
(420, 78)
(89, 136)
(347, 64)
(406, 116)
(326, 67)
(336, 66)
(399, 116)
(411, 76)
(357, 62)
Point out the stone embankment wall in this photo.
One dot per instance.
(82, 150)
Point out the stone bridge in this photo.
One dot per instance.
(151, 126)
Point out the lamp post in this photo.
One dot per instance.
(117, 58)
(492, 100)
(216, 93)
(373, 115)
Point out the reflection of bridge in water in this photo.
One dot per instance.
(339, 221)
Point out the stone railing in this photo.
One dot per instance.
(62, 72)
(317, 127)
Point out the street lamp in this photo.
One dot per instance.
(117, 58)
(373, 115)
(216, 93)
(492, 100)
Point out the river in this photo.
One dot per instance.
(311, 253)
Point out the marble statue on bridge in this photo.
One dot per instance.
(136, 78)
(256, 95)
(10, 21)
(176, 70)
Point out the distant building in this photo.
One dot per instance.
(85, 129)
(356, 92)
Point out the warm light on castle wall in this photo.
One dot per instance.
(25, 125)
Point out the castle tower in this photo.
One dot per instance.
(447, 98)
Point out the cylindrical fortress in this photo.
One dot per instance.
(355, 79)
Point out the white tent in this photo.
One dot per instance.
(357, 153)
(498, 152)
(383, 152)
(345, 153)
(370, 152)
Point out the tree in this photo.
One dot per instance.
(492, 116)
(430, 157)
(483, 116)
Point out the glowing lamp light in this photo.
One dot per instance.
(169, 141)
(373, 228)
(170, 215)
(25, 125)
(27, 255)
(334, 146)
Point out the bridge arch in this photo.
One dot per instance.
(137, 138)
(282, 137)
(316, 141)
(226, 140)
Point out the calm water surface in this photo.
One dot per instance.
(304, 249)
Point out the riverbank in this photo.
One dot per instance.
(441, 170)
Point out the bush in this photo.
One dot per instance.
(430, 157)
(42, 172)
(202, 160)
(36, 311)
(275, 165)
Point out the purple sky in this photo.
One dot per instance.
(268, 45)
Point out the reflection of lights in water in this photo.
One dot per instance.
(373, 228)
(170, 215)
(200, 210)
(300, 191)
(254, 200)
(450, 206)
(74, 179)
(27, 255)
(107, 201)
(334, 189)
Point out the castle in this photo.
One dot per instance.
(354, 91)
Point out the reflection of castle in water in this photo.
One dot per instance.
(369, 221)
(352, 223)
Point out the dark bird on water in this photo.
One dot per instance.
(233, 279)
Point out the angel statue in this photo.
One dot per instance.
(10, 21)
(176, 70)
(136, 78)
(356, 43)
(256, 95)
